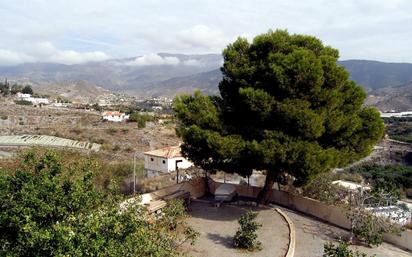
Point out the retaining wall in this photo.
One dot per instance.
(331, 214)
(196, 188)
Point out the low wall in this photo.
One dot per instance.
(196, 188)
(331, 214)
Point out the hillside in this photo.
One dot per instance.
(206, 82)
(166, 74)
(397, 98)
(374, 75)
(128, 74)
(75, 91)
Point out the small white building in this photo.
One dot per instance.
(22, 96)
(37, 101)
(351, 186)
(115, 116)
(34, 100)
(165, 160)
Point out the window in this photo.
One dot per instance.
(164, 161)
(151, 159)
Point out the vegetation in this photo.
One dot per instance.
(246, 236)
(7, 90)
(52, 209)
(340, 250)
(285, 106)
(27, 90)
(322, 189)
(401, 131)
(390, 178)
(370, 227)
(23, 102)
(96, 107)
(395, 120)
(141, 119)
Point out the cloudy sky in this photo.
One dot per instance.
(76, 31)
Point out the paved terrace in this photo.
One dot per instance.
(217, 226)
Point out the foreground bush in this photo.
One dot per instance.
(246, 236)
(370, 227)
(48, 209)
(340, 250)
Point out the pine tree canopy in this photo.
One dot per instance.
(285, 106)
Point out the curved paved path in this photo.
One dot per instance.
(311, 234)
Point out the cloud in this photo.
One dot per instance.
(73, 57)
(153, 59)
(9, 58)
(203, 37)
(191, 62)
(113, 28)
(46, 52)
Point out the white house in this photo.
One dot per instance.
(165, 160)
(115, 116)
(37, 101)
(33, 100)
(22, 96)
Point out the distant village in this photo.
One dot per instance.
(114, 107)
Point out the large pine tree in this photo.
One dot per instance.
(285, 106)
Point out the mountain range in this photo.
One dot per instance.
(166, 74)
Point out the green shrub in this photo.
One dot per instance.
(112, 130)
(369, 227)
(141, 119)
(390, 178)
(4, 117)
(340, 250)
(246, 236)
(322, 189)
(23, 102)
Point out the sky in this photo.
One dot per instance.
(77, 31)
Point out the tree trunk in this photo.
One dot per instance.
(266, 192)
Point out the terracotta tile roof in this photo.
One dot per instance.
(115, 113)
(166, 152)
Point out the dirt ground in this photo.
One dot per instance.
(217, 226)
(120, 141)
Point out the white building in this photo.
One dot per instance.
(165, 160)
(34, 100)
(395, 114)
(115, 116)
(21, 95)
(37, 101)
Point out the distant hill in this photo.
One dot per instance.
(128, 74)
(206, 82)
(166, 74)
(75, 91)
(375, 75)
(397, 98)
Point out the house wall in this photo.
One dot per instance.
(114, 118)
(155, 163)
(162, 164)
(171, 163)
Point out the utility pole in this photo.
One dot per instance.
(177, 171)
